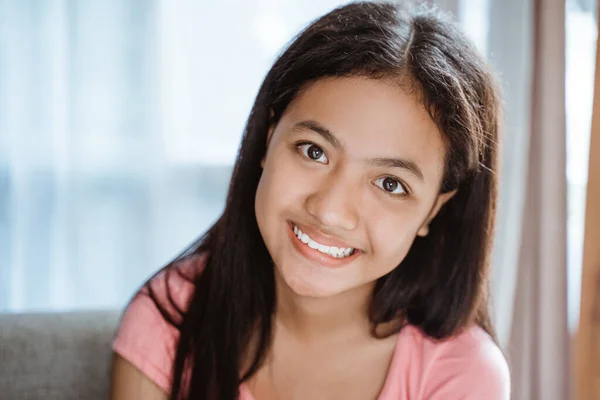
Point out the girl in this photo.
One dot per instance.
(351, 260)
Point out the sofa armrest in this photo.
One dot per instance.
(56, 355)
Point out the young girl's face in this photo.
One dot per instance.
(351, 175)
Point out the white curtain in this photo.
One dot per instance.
(510, 51)
(119, 123)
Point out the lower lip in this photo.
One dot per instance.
(316, 255)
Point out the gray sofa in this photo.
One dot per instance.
(56, 356)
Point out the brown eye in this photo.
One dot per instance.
(313, 152)
(391, 185)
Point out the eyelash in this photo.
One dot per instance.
(311, 144)
(394, 195)
(400, 183)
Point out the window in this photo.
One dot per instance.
(581, 36)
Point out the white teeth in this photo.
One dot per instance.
(303, 236)
(332, 251)
(323, 249)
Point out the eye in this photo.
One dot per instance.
(391, 185)
(313, 152)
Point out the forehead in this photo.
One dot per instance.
(372, 118)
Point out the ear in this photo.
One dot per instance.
(440, 201)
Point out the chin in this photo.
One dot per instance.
(305, 289)
(305, 281)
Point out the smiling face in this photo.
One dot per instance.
(351, 175)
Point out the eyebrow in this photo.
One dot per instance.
(321, 130)
(408, 165)
(386, 162)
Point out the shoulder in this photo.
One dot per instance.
(468, 365)
(145, 338)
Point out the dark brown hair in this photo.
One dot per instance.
(441, 285)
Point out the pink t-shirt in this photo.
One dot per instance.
(466, 367)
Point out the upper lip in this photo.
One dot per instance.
(322, 238)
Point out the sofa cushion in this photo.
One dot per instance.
(56, 355)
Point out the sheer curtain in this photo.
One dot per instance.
(119, 122)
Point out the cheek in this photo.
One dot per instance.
(282, 188)
(393, 234)
(264, 208)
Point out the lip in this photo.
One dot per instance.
(320, 237)
(315, 255)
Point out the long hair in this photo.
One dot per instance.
(441, 285)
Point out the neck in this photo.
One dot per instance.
(322, 318)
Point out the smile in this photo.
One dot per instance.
(335, 252)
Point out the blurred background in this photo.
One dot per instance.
(120, 121)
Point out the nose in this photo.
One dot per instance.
(334, 204)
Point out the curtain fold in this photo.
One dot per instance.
(538, 348)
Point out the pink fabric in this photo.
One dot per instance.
(468, 366)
